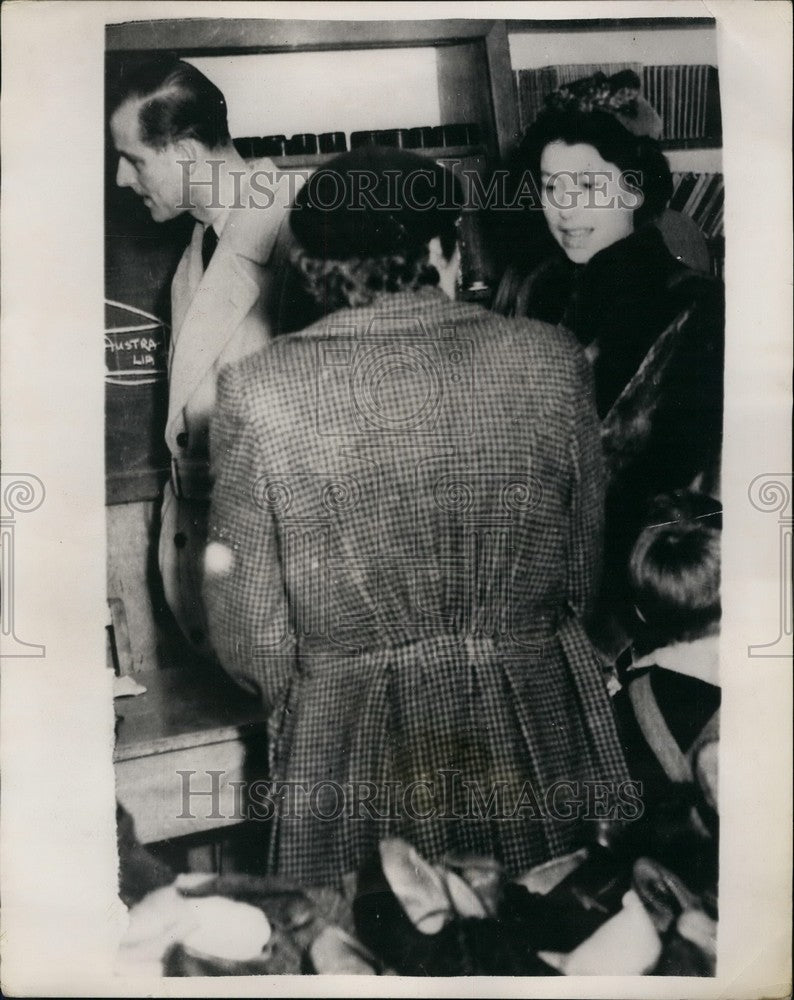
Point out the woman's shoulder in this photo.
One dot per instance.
(696, 287)
(697, 308)
(648, 249)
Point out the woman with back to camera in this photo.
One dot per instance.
(405, 530)
(652, 327)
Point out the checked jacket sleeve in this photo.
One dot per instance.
(243, 583)
(585, 537)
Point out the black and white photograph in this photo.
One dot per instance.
(414, 408)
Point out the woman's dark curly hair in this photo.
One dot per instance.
(356, 282)
(637, 156)
(520, 239)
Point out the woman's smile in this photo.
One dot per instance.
(573, 176)
(575, 238)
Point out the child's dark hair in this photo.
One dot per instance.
(674, 567)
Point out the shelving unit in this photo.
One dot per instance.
(704, 142)
(475, 81)
(442, 153)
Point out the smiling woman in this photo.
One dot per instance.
(651, 327)
(585, 201)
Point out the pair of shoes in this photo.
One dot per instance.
(664, 895)
(625, 945)
(575, 907)
(427, 920)
(680, 916)
(402, 901)
(334, 952)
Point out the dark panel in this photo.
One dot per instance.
(140, 259)
(610, 24)
(463, 88)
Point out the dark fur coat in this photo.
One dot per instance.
(654, 331)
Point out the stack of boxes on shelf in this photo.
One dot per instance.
(424, 137)
(309, 144)
(301, 144)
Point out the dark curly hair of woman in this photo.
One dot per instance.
(340, 284)
(638, 156)
(520, 239)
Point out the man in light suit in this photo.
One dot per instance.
(169, 127)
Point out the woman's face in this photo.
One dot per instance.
(587, 203)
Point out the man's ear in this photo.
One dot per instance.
(186, 150)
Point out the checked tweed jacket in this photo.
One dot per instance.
(405, 527)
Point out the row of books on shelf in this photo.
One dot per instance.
(534, 85)
(686, 97)
(702, 198)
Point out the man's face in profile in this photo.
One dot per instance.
(155, 175)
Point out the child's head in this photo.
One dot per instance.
(674, 567)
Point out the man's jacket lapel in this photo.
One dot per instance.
(228, 290)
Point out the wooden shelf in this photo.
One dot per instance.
(696, 160)
(193, 723)
(435, 153)
(184, 707)
(701, 142)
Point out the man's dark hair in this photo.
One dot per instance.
(178, 102)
